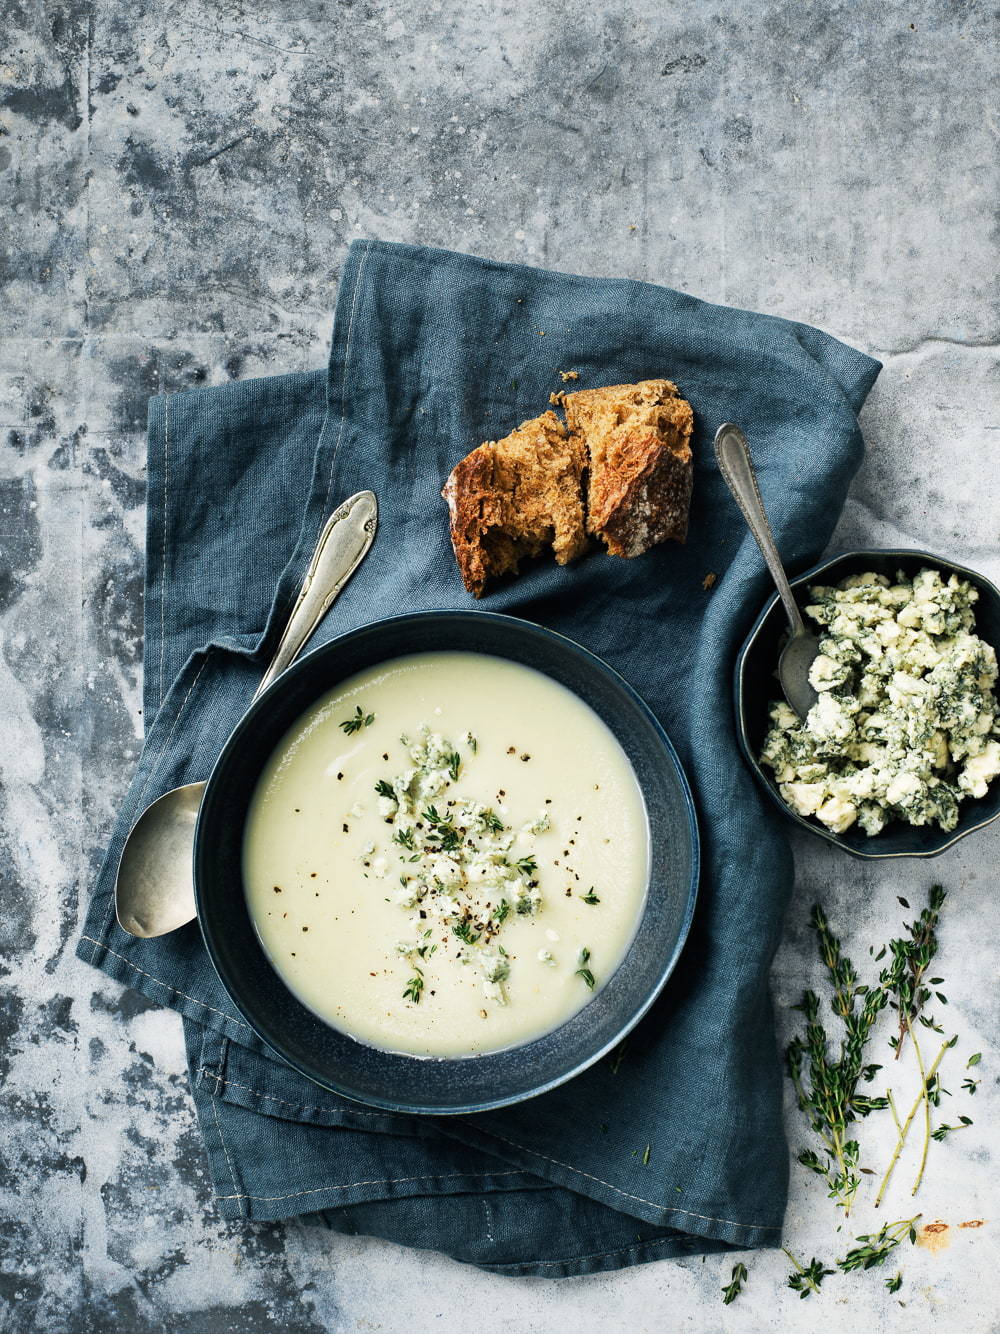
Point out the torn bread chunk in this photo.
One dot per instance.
(512, 498)
(638, 439)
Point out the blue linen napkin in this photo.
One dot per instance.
(675, 1145)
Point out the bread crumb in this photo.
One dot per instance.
(569, 375)
(541, 333)
(708, 581)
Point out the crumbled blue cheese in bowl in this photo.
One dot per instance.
(907, 724)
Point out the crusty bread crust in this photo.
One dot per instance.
(628, 448)
(511, 498)
(638, 438)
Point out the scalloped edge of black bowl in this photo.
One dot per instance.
(949, 837)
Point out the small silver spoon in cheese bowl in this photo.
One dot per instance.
(802, 646)
(892, 573)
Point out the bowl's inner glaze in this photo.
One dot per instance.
(395, 1080)
(757, 686)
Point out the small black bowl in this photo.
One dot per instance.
(756, 686)
(395, 1080)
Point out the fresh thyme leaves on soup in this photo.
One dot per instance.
(906, 725)
(446, 854)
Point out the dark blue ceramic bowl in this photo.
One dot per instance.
(756, 685)
(398, 1081)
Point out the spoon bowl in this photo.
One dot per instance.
(154, 888)
(793, 671)
(154, 893)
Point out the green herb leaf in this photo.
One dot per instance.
(358, 720)
(875, 1250)
(583, 971)
(415, 987)
(806, 1279)
(827, 1070)
(733, 1289)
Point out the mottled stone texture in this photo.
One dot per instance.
(179, 183)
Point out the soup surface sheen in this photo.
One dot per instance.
(447, 854)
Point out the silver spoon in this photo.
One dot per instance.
(733, 455)
(154, 890)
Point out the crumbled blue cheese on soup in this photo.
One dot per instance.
(907, 723)
(461, 869)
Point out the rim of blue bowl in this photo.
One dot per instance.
(627, 1025)
(803, 821)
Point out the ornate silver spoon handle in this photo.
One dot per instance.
(342, 545)
(733, 455)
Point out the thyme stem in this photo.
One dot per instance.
(905, 1130)
(927, 1107)
(895, 1113)
(793, 1259)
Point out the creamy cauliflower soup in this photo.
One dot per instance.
(446, 854)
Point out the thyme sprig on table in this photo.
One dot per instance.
(806, 1279)
(827, 1076)
(970, 1083)
(904, 978)
(944, 1130)
(826, 1080)
(735, 1286)
(871, 1251)
(875, 1249)
(929, 1093)
(827, 1072)
(909, 992)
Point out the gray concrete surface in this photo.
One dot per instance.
(178, 184)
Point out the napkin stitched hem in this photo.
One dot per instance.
(243, 1204)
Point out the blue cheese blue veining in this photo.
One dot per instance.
(458, 863)
(907, 723)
